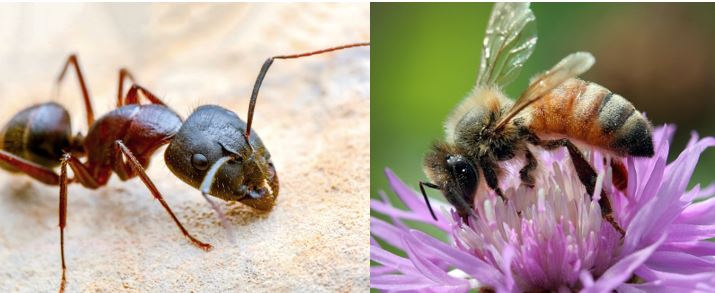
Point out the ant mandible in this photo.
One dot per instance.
(213, 150)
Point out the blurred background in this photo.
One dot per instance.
(425, 59)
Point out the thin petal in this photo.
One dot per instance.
(400, 282)
(426, 267)
(702, 213)
(622, 270)
(389, 210)
(706, 192)
(389, 233)
(380, 270)
(470, 264)
(686, 232)
(505, 265)
(669, 282)
(678, 262)
(666, 206)
(391, 260)
(586, 278)
(628, 288)
(697, 248)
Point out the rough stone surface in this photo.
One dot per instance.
(313, 115)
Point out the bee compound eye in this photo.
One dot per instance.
(200, 162)
(464, 174)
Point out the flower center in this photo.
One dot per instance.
(555, 230)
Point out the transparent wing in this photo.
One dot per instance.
(571, 66)
(509, 41)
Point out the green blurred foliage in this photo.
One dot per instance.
(425, 59)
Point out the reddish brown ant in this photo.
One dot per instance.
(213, 150)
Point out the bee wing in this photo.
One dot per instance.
(571, 66)
(509, 41)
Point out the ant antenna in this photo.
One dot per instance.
(206, 187)
(264, 70)
(422, 188)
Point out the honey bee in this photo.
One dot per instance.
(556, 108)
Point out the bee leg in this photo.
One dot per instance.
(620, 174)
(525, 173)
(490, 175)
(587, 175)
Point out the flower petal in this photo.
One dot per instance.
(702, 213)
(402, 283)
(389, 233)
(470, 264)
(391, 260)
(395, 213)
(622, 270)
(698, 248)
(666, 205)
(426, 267)
(678, 262)
(686, 232)
(670, 282)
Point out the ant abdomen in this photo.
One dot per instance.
(40, 134)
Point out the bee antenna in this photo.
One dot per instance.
(422, 188)
(267, 64)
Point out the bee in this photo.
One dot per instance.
(556, 108)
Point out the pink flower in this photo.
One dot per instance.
(552, 238)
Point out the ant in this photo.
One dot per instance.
(213, 150)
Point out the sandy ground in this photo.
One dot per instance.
(313, 115)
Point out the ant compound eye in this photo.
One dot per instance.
(464, 174)
(200, 162)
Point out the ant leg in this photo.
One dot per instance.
(123, 74)
(63, 217)
(37, 172)
(490, 175)
(81, 172)
(133, 96)
(264, 70)
(72, 60)
(587, 175)
(81, 175)
(149, 184)
(124, 171)
(525, 173)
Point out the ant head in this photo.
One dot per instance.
(212, 153)
(455, 175)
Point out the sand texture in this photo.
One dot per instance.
(313, 115)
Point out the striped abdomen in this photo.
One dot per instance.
(591, 113)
